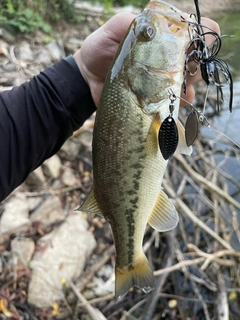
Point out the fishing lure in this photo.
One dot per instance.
(168, 132)
(194, 120)
(191, 128)
(197, 118)
(206, 57)
(210, 66)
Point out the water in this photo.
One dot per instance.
(227, 156)
(227, 122)
(230, 51)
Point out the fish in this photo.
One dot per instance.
(128, 166)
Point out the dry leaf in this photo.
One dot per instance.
(55, 310)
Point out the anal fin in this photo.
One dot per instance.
(164, 216)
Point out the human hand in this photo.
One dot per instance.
(98, 50)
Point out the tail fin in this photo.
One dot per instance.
(138, 274)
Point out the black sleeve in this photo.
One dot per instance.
(37, 117)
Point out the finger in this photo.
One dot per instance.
(118, 25)
(212, 25)
(192, 65)
(190, 94)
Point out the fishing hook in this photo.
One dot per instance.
(206, 57)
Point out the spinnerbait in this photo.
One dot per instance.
(207, 58)
(168, 133)
(191, 128)
(195, 118)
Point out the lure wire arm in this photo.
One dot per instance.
(206, 57)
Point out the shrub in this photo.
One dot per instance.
(29, 15)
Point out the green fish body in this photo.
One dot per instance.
(128, 166)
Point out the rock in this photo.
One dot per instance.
(34, 202)
(68, 177)
(85, 138)
(10, 67)
(70, 149)
(18, 81)
(22, 251)
(52, 166)
(3, 48)
(44, 58)
(73, 44)
(48, 211)
(15, 216)
(60, 258)
(56, 185)
(55, 50)
(25, 53)
(3, 60)
(40, 37)
(6, 36)
(106, 271)
(6, 81)
(36, 178)
(102, 288)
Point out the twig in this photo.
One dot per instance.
(213, 256)
(95, 268)
(151, 303)
(195, 219)
(179, 265)
(93, 312)
(207, 283)
(235, 223)
(128, 313)
(205, 309)
(100, 299)
(222, 302)
(148, 243)
(215, 201)
(50, 193)
(81, 285)
(222, 173)
(181, 298)
(208, 184)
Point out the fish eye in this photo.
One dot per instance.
(147, 32)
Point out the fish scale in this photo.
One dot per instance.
(128, 166)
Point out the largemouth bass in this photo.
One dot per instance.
(128, 166)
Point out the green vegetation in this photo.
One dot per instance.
(230, 26)
(135, 3)
(108, 4)
(29, 15)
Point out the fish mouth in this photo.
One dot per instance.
(176, 20)
(173, 27)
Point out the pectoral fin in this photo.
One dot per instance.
(182, 145)
(90, 205)
(164, 216)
